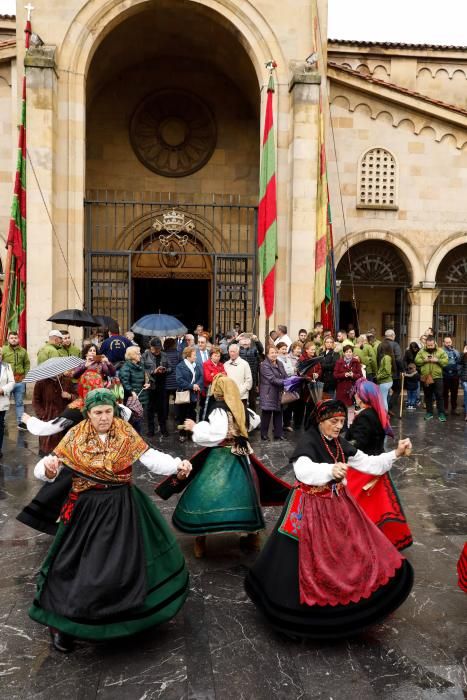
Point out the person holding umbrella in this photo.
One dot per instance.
(50, 397)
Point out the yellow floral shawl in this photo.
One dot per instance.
(83, 451)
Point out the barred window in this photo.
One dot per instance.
(377, 180)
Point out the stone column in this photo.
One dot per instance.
(41, 87)
(422, 300)
(304, 89)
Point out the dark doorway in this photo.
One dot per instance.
(187, 300)
(347, 316)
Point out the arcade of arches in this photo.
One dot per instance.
(375, 291)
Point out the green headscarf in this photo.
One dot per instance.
(99, 397)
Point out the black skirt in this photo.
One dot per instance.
(99, 569)
(273, 585)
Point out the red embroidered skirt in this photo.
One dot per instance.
(382, 505)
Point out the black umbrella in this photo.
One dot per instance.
(105, 321)
(74, 317)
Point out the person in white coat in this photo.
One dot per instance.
(7, 384)
(239, 370)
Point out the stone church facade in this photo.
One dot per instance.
(144, 132)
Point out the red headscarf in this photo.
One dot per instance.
(88, 381)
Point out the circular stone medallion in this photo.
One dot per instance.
(173, 133)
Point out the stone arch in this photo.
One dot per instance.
(96, 20)
(436, 259)
(87, 29)
(414, 266)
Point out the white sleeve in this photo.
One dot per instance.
(209, 433)
(312, 473)
(160, 462)
(372, 464)
(39, 471)
(42, 427)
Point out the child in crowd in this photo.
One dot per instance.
(412, 382)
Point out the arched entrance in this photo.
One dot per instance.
(172, 130)
(450, 311)
(380, 278)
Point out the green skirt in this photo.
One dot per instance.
(221, 498)
(75, 562)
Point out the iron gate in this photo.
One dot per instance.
(213, 240)
(450, 317)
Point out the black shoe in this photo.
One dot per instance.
(22, 426)
(282, 437)
(265, 438)
(60, 641)
(165, 433)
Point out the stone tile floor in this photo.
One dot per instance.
(218, 646)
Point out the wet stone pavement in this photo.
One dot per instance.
(219, 646)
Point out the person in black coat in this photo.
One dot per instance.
(189, 378)
(378, 496)
(272, 376)
(156, 365)
(328, 361)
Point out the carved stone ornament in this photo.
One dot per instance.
(174, 222)
(173, 133)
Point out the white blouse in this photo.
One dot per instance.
(319, 473)
(157, 463)
(211, 432)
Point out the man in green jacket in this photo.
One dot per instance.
(51, 348)
(430, 361)
(18, 359)
(68, 348)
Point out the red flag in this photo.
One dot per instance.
(13, 315)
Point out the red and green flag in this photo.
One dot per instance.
(324, 253)
(267, 213)
(13, 315)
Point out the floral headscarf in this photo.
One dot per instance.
(88, 381)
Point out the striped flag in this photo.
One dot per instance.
(324, 255)
(13, 315)
(267, 213)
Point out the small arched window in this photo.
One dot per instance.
(377, 180)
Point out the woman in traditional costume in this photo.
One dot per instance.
(114, 568)
(327, 571)
(227, 484)
(43, 511)
(377, 495)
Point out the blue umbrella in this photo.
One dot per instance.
(159, 325)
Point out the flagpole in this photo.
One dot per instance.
(267, 209)
(20, 195)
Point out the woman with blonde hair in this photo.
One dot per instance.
(134, 380)
(228, 482)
